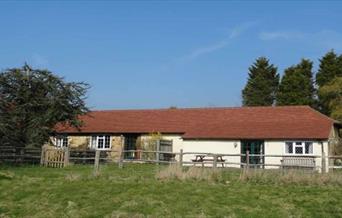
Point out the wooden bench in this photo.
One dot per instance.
(298, 162)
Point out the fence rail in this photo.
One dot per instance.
(19, 155)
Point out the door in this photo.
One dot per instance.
(165, 145)
(254, 147)
(130, 144)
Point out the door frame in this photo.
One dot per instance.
(255, 160)
(133, 146)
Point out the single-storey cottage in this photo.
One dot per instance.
(287, 130)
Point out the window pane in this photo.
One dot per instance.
(298, 143)
(58, 142)
(308, 148)
(288, 148)
(100, 143)
(65, 141)
(93, 141)
(299, 150)
(107, 141)
(62, 141)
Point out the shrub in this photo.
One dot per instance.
(149, 143)
(191, 173)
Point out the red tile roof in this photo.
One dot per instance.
(288, 122)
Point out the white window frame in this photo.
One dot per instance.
(94, 144)
(61, 141)
(294, 145)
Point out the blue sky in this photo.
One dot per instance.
(158, 54)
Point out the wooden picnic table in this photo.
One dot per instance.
(202, 158)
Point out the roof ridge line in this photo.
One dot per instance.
(203, 108)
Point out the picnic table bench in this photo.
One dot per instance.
(204, 158)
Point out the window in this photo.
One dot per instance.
(107, 141)
(298, 148)
(308, 148)
(288, 148)
(130, 144)
(62, 141)
(101, 142)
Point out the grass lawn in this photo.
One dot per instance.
(32, 191)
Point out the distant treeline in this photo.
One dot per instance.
(299, 85)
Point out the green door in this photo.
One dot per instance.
(255, 147)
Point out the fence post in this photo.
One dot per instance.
(97, 162)
(215, 161)
(66, 156)
(42, 155)
(22, 155)
(323, 162)
(46, 157)
(16, 154)
(181, 157)
(157, 151)
(121, 157)
(247, 159)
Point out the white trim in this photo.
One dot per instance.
(100, 137)
(61, 141)
(294, 148)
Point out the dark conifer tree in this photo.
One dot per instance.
(330, 67)
(262, 84)
(297, 86)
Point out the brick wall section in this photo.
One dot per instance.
(117, 146)
(80, 142)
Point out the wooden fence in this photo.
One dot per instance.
(50, 156)
(19, 155)
(306, 162)
(53, 157)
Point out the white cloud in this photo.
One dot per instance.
(326, 39)
(280, 35)
(207, 49)
(238, 30)
(218, 45)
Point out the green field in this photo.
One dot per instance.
(135, 192)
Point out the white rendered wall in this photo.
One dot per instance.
(274, 148)
(214, 146)
(278, 148)
(177, 142)
(271, 147)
